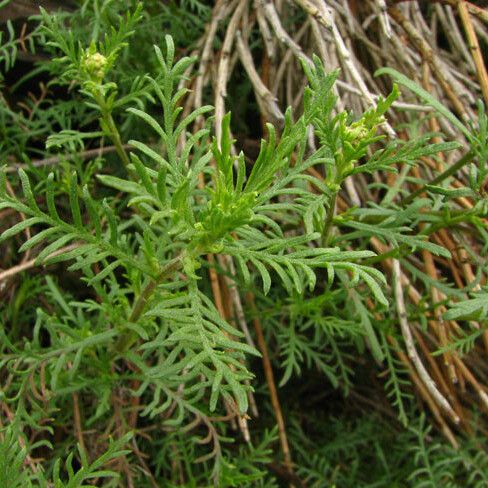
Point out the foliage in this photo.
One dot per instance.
(120, 362)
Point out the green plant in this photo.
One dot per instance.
(140, 348)
(152, 257)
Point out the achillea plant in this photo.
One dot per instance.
(144, 351)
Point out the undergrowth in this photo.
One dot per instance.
(118, 367)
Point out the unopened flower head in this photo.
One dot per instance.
(95, 65)
(356, 132)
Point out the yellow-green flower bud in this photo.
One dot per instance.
(334, 187)
(95, 65)
(355, 133)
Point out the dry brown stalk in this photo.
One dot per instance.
(428, 54)
(445, 386)
(473, 9)
(266, 100)
(474, 47)
(220, 11)
(54, 160)
(412, 352)
(223, 68)
(425, 394)
(480, 390)
(8, 273)
(268, 371)
(318, 10)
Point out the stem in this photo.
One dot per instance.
(268, 372)
(396, 252)
(411, 350)
(129, 336)
(446, 174)
(113, 132)
(168, 270)
(117, 141)
(328, 222)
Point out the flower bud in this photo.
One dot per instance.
(95, 65)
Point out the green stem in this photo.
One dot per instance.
(168, 270)
(446, 174)
(128, 337)
(117, 141)
(112, 132)
(329, 219)
(396, 252)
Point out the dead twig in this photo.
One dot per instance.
(412, 352)
(268, 371)
(474, 47)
